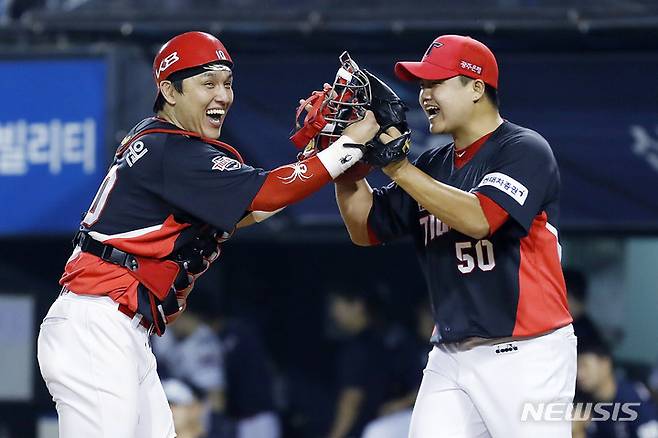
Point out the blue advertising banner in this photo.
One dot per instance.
(51, 142)
(601, 123)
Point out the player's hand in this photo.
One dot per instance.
(364, 130)
(389, 147)
(389, 135)
(308, 107)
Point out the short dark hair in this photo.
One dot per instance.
(576, 284)
(357, 290)
(594, 345)
(490, 92)
(160, 100)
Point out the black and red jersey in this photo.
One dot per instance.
(161, 184)
(509, 283)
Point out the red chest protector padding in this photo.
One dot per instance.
(159, 276)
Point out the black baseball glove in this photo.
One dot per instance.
(389, 109)
(382, 154)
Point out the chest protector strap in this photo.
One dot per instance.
(158, 278)
(125, 144)
(156, 296)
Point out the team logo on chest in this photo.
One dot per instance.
(431, 226)
(223, 163)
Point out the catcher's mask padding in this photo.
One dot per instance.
(346, 101)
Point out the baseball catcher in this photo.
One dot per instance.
(172, 195)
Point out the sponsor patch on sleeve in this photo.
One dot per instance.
(222, 163)
(506, 184)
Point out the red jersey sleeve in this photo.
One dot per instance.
(495, 214)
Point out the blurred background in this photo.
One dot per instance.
(267, 324)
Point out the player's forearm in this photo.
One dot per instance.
(347, 411)
(354, 201)
(456, 208)
(292, 183)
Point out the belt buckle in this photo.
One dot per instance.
(138, 320)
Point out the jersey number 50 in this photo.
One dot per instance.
(480, 254)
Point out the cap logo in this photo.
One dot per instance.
(471, 67)
(217, 67)
(166, 63)
(221, 55)
(434, 45)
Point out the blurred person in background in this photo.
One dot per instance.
(653, 382)
(408, 356)
(249, 381)
(191, 351)
(362, 366)
(249, 389)
(598, 383)
(187, 409)
(172, 195)
(583, 326)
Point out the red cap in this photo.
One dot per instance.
(190, 49)
(449, 56)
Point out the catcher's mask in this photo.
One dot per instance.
(333, 108)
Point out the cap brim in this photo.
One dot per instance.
(414, 71)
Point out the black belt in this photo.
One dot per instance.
(107, 253)
(122, 308)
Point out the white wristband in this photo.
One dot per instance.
(338, 158)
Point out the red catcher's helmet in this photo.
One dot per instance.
(190, 49)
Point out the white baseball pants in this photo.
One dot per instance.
(480, 391)
(99, 368)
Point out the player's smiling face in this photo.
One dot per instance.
(447, 103)
(204, 103)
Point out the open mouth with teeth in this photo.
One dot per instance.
(215, 116)
(432, 111)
